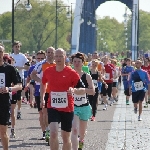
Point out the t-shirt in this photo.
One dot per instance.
(60, 82)
(8, 75)
(20, 60)
(126, 70)
(41, 67)
(84, 69)
(138, 80)
(146, 69)
(108, 73)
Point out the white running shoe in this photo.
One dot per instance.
(139, 118)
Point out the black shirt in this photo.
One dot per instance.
(8, 75)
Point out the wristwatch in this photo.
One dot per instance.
(9, 89)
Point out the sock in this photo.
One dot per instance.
(47, 128)
(18, 111)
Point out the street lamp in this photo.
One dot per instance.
(27, 6)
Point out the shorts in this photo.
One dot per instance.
(119, 80)
(4, 114)
(65, 118)
(108, 90)
(37, 99)
(99, 86)
(19, 95)
(14, 99)
(126, 92)
(46, 99)
(114, 84)
(138, 96)
(84, 113)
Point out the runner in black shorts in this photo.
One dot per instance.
(8, 75)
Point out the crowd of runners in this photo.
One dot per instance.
(66, 90)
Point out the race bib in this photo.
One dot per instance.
(59, 99)
(138, 86)
(2, 79)
(95, 83)
(80, 99)
(107, 76)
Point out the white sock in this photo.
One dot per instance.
(47, 128)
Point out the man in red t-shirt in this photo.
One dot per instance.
(109, 74)
(61, 82)
(146, 67)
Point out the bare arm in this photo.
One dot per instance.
(34, 76)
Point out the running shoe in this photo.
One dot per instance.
(93, 118)
(135, 110)
(43, 138)
(139, 118)
(12, 134)
(127, 102)
(47, 136)
(18, 115)
(105, 108)
(81, 144)
(146, 105)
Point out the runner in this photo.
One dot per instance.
(82, 109)
(146, 67)
(21, 64)
(37, 75)
(62, 80)
(96, 76)
(109, 74)
(137, 81)
(8, 75)
(126, 70)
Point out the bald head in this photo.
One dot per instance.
(60, 50)
(60, 57)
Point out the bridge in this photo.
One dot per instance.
(84, 35)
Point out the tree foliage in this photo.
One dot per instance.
(36, 29)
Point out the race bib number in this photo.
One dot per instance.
(80, 99)
(95, 83)
(138, 86)
(107, 76)
(59, 99)
(2, 79)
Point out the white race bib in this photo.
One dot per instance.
(107, 76)
(2, 79)
(59, 99)
(95, 83)
(138, 86)
(80, 99)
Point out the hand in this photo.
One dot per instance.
(70, 91)
(26, 88)
(106, 86)
(42, 104)
(19, 68)
(4, 90)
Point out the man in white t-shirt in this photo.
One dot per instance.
(21, 63)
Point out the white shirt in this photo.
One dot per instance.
(20, 60)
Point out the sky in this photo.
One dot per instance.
(110, 8)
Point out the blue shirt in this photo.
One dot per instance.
(37, 87)
(30, 70)
(137, 78)
(126, 70)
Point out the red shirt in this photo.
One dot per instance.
(109, 68)
(146, 69)
(60, 82)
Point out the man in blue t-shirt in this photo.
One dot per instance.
(138, 81)
(126, 71)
